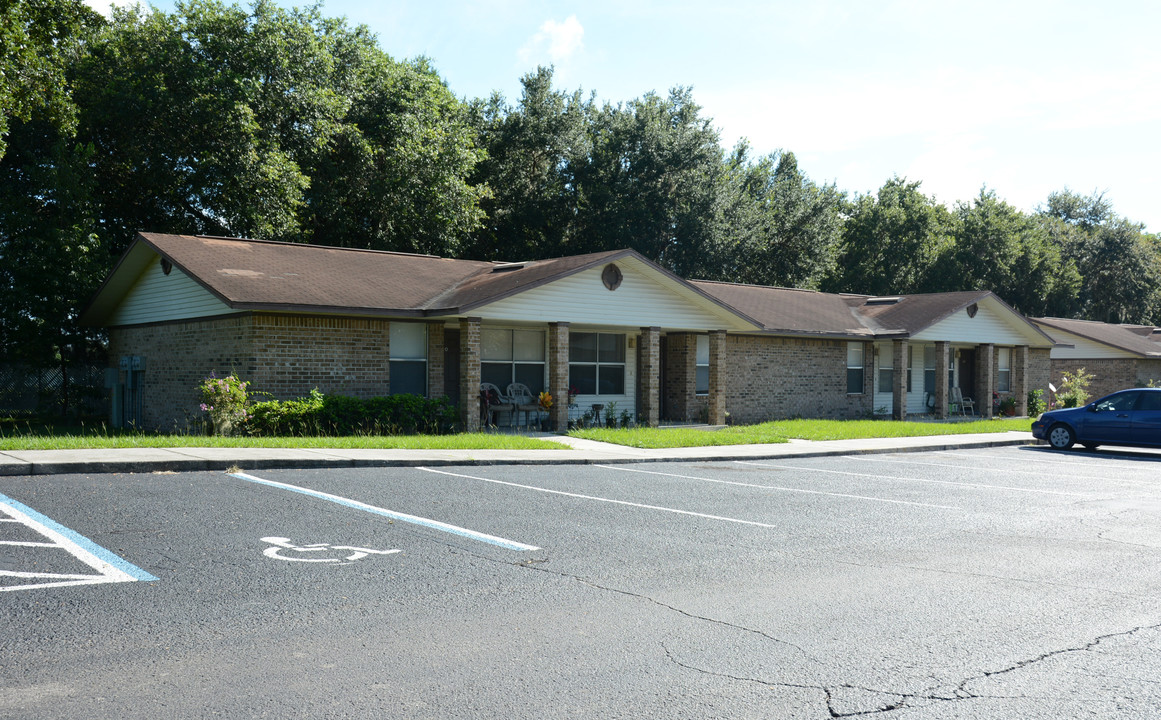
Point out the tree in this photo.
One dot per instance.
(37, 38)
(891, 240)
(781, 228)
(651, 182)
(533, 152)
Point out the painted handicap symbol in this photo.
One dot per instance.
(279, 545)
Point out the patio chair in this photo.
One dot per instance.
(525, 402)
(493, 402)
(964, 403)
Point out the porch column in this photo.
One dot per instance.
(558, 375)
(1020, 378)
(649, 348)
(470, 374)
(435, 376)
(899, 384)
(985, 378)
(717, 377)
(942, 359)
(681, 375)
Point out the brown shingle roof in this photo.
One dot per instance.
(1122, 337)
(788, 309)
(910, 314)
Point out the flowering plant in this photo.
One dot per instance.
(545, 400)
(226, 401)
(572, 393)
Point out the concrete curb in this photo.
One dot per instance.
(62, 462)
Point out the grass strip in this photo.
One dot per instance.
(465, 441)
(780, 431)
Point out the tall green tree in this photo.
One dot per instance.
(891, 240)
(533, 151)
(781, 228)
(38, 38)
(652, 181)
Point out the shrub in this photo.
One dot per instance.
(1074, 388)
(1036, 404)
(225, 400)
(319, 414)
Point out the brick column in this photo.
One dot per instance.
(649, 351)
(1020, 378)
(899, 384)
(942, 359)
(470, 374)
(681, 375)
(717, 377)
(558, 375)
(985, 378)
(435, 376)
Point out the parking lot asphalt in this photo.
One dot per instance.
(576, 451)
(965, 583)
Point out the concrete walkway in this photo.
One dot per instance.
(577, 451)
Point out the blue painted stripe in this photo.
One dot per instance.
(403, 517)
(80, 540)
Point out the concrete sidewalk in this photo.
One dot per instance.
(576, 452)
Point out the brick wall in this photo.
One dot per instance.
(1110, 374)
(773, 378)
(178, 356)
(344, 356)
(284, 355)
(680, 388)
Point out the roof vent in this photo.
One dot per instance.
(506, 266)
(883, 300)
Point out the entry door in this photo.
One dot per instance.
(451, 365)
(967, 377)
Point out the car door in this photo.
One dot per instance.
(1110, 419)
(1147, 419)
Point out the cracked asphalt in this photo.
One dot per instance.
(1006, 582)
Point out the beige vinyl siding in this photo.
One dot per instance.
(157, 297)
(642, 300)
(1084, 349)
(992, 324)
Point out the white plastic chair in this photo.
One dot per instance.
(964, 403)
(525, 402)
(489, 410)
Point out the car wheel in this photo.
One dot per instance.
(1061, 437)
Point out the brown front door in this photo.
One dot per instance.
(967, 374)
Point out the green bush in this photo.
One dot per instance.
(1074, 388)
(337, 415)
(1036, 404)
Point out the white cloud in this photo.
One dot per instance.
(555, 42)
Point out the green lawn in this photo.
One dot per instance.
(781, 431)
(29, 436)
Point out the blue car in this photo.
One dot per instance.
(1128, 417)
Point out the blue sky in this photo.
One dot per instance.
(1024, 97)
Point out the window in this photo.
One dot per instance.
(596, 363)
(886, 370)
(508, 356)
(854, 368)
(702, 361)
(1004, 374)
(408, 358)
(929, 370)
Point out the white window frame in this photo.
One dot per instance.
(885, 370)
(403, 353)
(1004, 370)
(511, 360)
(856, 349)
(598, 364)
(701, 361)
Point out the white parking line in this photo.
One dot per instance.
(781, 489)
(902, 479)
(601, 499)
(110, 568)
(1050, 458)
(404, 517)
(900, 461)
